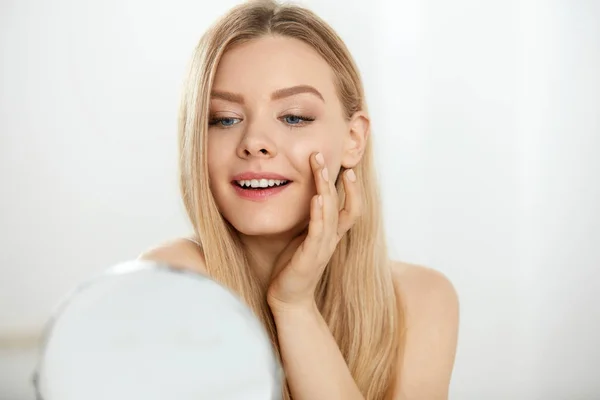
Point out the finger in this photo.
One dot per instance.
(326, 188)
(315, 226)
(320, 173)
(352, 204)
(311, 246)
(287, 254)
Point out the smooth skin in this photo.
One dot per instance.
(255, 133)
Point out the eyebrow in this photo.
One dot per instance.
(276, 95)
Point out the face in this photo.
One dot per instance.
(273, 104)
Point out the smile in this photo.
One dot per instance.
(259, 189)
(261, 183)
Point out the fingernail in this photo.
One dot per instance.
(325, 174)
(320, 200)
(320, 159)
(351, 175)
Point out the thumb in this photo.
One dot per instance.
(287, 253)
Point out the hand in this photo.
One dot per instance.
(300, 266)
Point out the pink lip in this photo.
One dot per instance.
(258, 194)
(246, 176)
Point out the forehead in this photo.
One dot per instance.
(261, 66)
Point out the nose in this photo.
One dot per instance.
(256, 143)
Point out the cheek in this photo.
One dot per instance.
(299, 155)
(212, 160)
(332, 144)
(326, 143)
(217, 167)
(216, 152)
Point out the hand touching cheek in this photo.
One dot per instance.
(301, 265)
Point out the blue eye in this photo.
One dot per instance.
(225, 122)
(297, 119)
(293, 119)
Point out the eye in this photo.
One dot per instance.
(296, 120)
(224, 122)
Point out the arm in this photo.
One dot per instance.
(315, 368)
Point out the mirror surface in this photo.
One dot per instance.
(147, 331)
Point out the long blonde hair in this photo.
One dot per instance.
(356, 294)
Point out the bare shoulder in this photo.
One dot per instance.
(431, 317)
(419, 285)
(178, 253)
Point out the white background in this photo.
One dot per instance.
(487, 128)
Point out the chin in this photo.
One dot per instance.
(267, 226)
(285, 214)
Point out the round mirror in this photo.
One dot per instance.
(147, 331)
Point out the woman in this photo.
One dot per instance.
(278, 181)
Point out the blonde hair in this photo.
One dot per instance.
(356, 293)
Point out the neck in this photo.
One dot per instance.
(263, 252)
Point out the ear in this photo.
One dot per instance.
(359, 128)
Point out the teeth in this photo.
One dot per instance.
(261, 183)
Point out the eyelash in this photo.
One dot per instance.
(305, 120)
